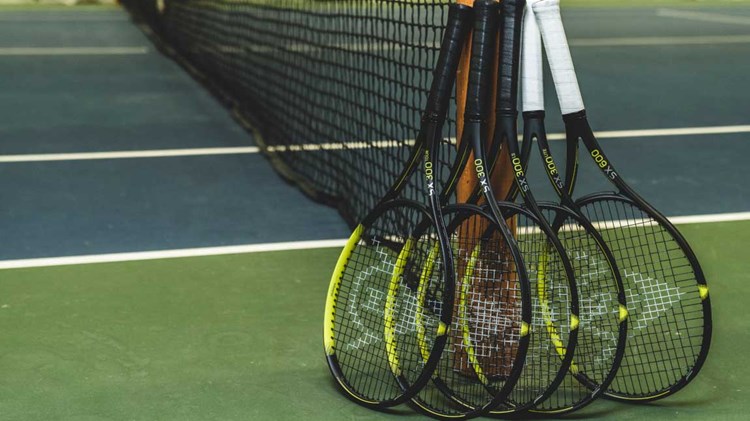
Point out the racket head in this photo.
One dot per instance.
(602, 330)
(603, 311)
(369, 331)
(370, 308)
(667, 297)
(488, 336)
(554, 305)
(651, 254)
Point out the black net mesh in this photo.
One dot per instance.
(332, 90)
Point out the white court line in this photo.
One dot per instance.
(155, 153)
(685, 131)
(655, 41)
(168, 254)
(702, 16)
(161, 153)
(677, 220)
(72, 51)
(258, 248)
(719, 217)
(60, 18)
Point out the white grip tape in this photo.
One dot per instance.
(558, 54)
(532, 76)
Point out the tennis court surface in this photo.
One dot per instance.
(156, 266)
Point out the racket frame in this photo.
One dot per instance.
(578, 130)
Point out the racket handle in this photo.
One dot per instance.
(459, 23)
(510, 50)
(482, 56)
(558, 54)
(532, 76)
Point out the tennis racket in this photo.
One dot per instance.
(483, 363)
(551, 298)
(488, 338)
(603, 322)
(669, 330)
(373, 293)
(554, 293)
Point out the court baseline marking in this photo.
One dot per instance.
(702, 16)
(24, 19)
(71, 51)
(240, 150)
(660, 41)
(267, 247)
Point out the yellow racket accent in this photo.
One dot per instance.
(574, 322)
(623, 313)
(352, 394)
(541, 291)
(575, 169)
(552, 411)
(703, 290)
(407, 174)
(642, 398)
(421, 296)
(466, 284)
(390, 308)
(333, 289)
(457, 176)
(525, 328)
(437, 414)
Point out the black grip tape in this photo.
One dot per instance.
(486, 21)
(510, 51)
(459, 23)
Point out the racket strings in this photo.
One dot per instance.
(599, 328)
(378, 295)
(486, 328)
(489, 315)
(550, 306)
(665, 331)
(358, 322)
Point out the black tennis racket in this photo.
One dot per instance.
(669, 330)
(603, 311)
(373, 294)
(481, 363)
(545, 360)
(488, 337)
(554, 293)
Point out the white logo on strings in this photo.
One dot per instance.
(649, 300)
(366, 299)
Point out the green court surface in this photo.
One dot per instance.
(238, 337)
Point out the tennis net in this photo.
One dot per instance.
(331, 90)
